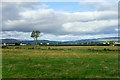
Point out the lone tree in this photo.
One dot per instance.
(35, 35)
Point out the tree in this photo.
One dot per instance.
(91, 42)
(111, 42)
(29, 43)
(35, 35)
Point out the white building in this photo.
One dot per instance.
(48, 43)
(8, 44)
(106, 42)
(22, 44)
(4, 44)
(13, 44)
(41, 43)
(116, 42)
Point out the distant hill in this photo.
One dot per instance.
(98, 40)
(10, 41)
(109, 39)
(26, 41)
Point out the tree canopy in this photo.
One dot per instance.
(35, 35)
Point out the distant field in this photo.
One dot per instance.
(107, 40)
(60, 62)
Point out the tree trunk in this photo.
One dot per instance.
(34, 41)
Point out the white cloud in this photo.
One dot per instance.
(50, 21)
(26, 17)
(91, 27)
(52, 37)
(15, 35)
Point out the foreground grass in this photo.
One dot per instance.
(61, 62)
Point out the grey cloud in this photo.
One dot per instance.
(11, 10)
(24, 17)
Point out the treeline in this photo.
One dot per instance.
(85, 44)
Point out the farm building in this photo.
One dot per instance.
(9, 44)
(48, 43)
(106, 42)
(41, 43)
(22, 44)
(13, 44)
(116, 42)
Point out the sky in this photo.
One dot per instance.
(60, 21)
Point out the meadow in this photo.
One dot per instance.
(60, 62)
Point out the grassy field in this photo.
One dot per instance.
(60, 62)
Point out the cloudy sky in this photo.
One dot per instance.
(60, 21)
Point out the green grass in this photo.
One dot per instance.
(60, 62)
